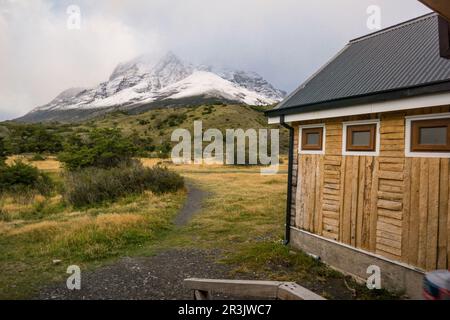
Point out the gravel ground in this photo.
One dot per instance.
(154, 278)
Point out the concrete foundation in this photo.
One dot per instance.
(395, 276)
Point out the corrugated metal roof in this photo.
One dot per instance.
(403, 56)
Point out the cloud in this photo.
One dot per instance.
(40, 56)
(283, 40)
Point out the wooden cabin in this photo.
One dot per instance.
(370, 177)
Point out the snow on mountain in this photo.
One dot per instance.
(249, 80)
(213, 86)
(146, 80)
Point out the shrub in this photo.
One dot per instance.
(2, 151)
(103, 148)
(161, 180)
(143, 122)
(20, 177)
(93, 186)
(174, 120)
(164, 150)
(208, 110)
(38, 157)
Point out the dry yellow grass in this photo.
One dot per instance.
(152, 162)
(13, 207)
(51, 164)
(5, 227)
(114, 214)
(48, 165)
(110, 223)
(42, 227)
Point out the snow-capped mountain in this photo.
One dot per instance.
(148, 81)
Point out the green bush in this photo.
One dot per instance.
(103, 148)
(161, 180)
(20, 176)
(208, 110)
(2, 152)
(38, 157)
(92, 186)
(174, 120)
(143, 122)
(164, 150)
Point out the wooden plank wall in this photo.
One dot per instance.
(357, 216)
(426, 229)
(309, 193)
(390, 193)
(390, 205)
(426, 213)
(331, 206)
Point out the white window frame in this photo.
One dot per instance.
(408, 129)
(375, 153)
(324, 141)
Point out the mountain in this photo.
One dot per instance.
(145, 83)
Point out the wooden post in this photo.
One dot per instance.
(201, 295)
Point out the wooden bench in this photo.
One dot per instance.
(203, 289)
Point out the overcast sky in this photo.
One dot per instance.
(283, 40)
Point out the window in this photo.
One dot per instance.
(361, 138)
(312, 139)
(430, 135)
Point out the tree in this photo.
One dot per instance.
(144, 144)
(34, 139)
(103, 148)
(2, 151)
(45, 141)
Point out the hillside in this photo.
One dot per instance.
(155, 127)
(159, 124)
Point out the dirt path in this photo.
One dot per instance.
(150, 278)
(192, 206)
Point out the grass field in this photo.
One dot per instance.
(242, 217)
